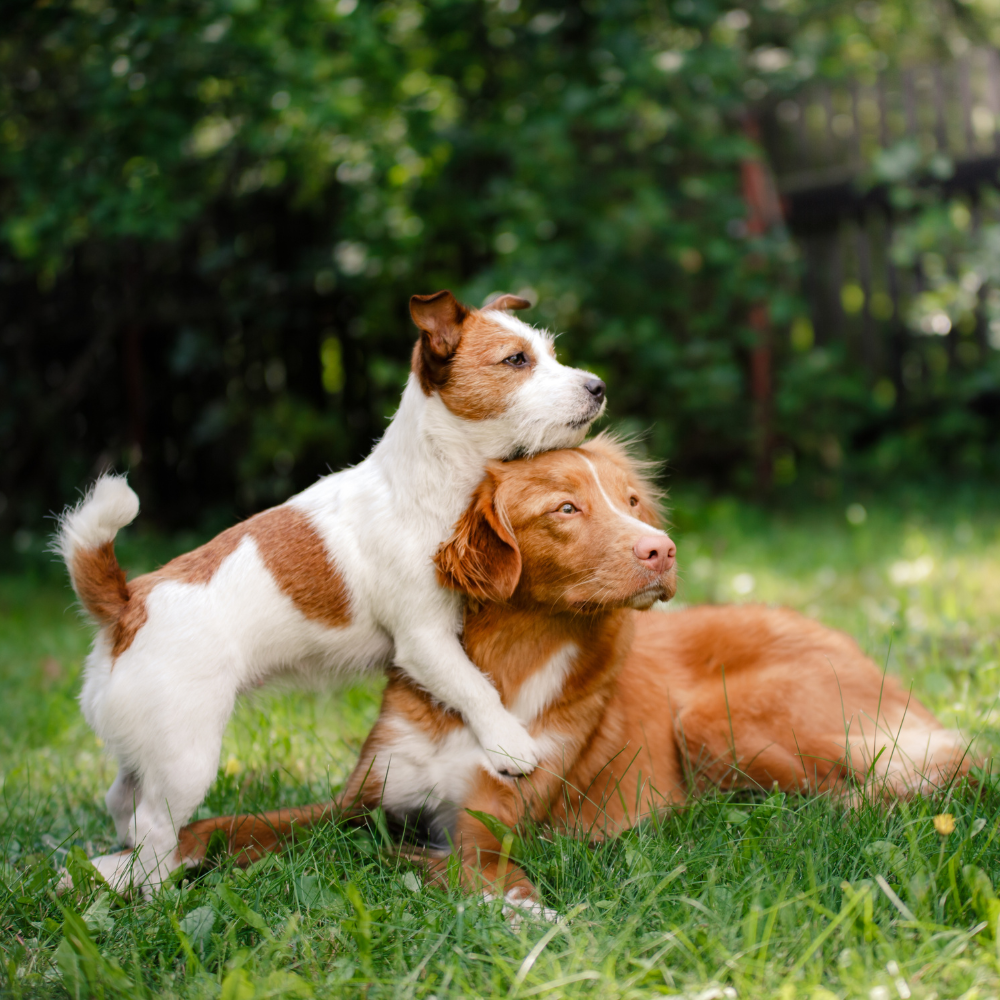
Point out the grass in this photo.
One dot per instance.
(767, 896)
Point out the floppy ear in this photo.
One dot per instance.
(508, 301)
(439, 317)
(481, 558)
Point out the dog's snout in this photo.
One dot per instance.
(657, 552)
(595, 387)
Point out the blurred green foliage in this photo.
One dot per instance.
(213, 214)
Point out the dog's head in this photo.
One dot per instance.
(501, 374)
(575, 530)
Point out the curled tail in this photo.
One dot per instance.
(85, 541)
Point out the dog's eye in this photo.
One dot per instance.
(568, 508)
(633, 501)
(518, 360)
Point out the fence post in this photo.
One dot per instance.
(132, 367)
(763, 213)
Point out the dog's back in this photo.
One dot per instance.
(761, 695)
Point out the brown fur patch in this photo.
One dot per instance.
(133, 615)
(291, 550)
(479, 384)
(100, 582)
(200, 564)
(461, 351)
(421, 707)
(297, 558)
(508, 301)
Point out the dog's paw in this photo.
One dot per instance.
(511, 750)
(116, 870)
(520, 903)
(65, 883)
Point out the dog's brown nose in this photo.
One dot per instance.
(655, 551)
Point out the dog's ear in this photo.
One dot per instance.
(439, 317)
(508, 301)
(481, 558)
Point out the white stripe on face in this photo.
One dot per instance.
(648, 528)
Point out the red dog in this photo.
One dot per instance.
(634, 709)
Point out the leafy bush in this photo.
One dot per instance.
(214, 215)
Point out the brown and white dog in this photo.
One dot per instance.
(338, 579)
(634, 710)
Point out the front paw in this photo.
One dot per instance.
(117, 870)
(512, 752)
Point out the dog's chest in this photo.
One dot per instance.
(434, 774)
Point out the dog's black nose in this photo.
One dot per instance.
(595, 387)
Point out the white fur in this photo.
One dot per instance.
(108, 506)
(419, 774)
(517, 905)
(422, 775)
(543, 687)
(162, 706)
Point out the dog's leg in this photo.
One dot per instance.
(122, 798)
(486, 863)
(487, 866)
(434, 658)
(168, 802)
(179, 767)
(732, 748)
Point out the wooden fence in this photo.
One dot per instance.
(822, 144)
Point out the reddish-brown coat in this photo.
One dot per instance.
(655, 705)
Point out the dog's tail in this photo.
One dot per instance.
(248, 837)
(86, 542)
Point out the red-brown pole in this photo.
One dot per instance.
(132, 367)
(763, 212)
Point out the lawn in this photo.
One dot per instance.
(767, 896)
